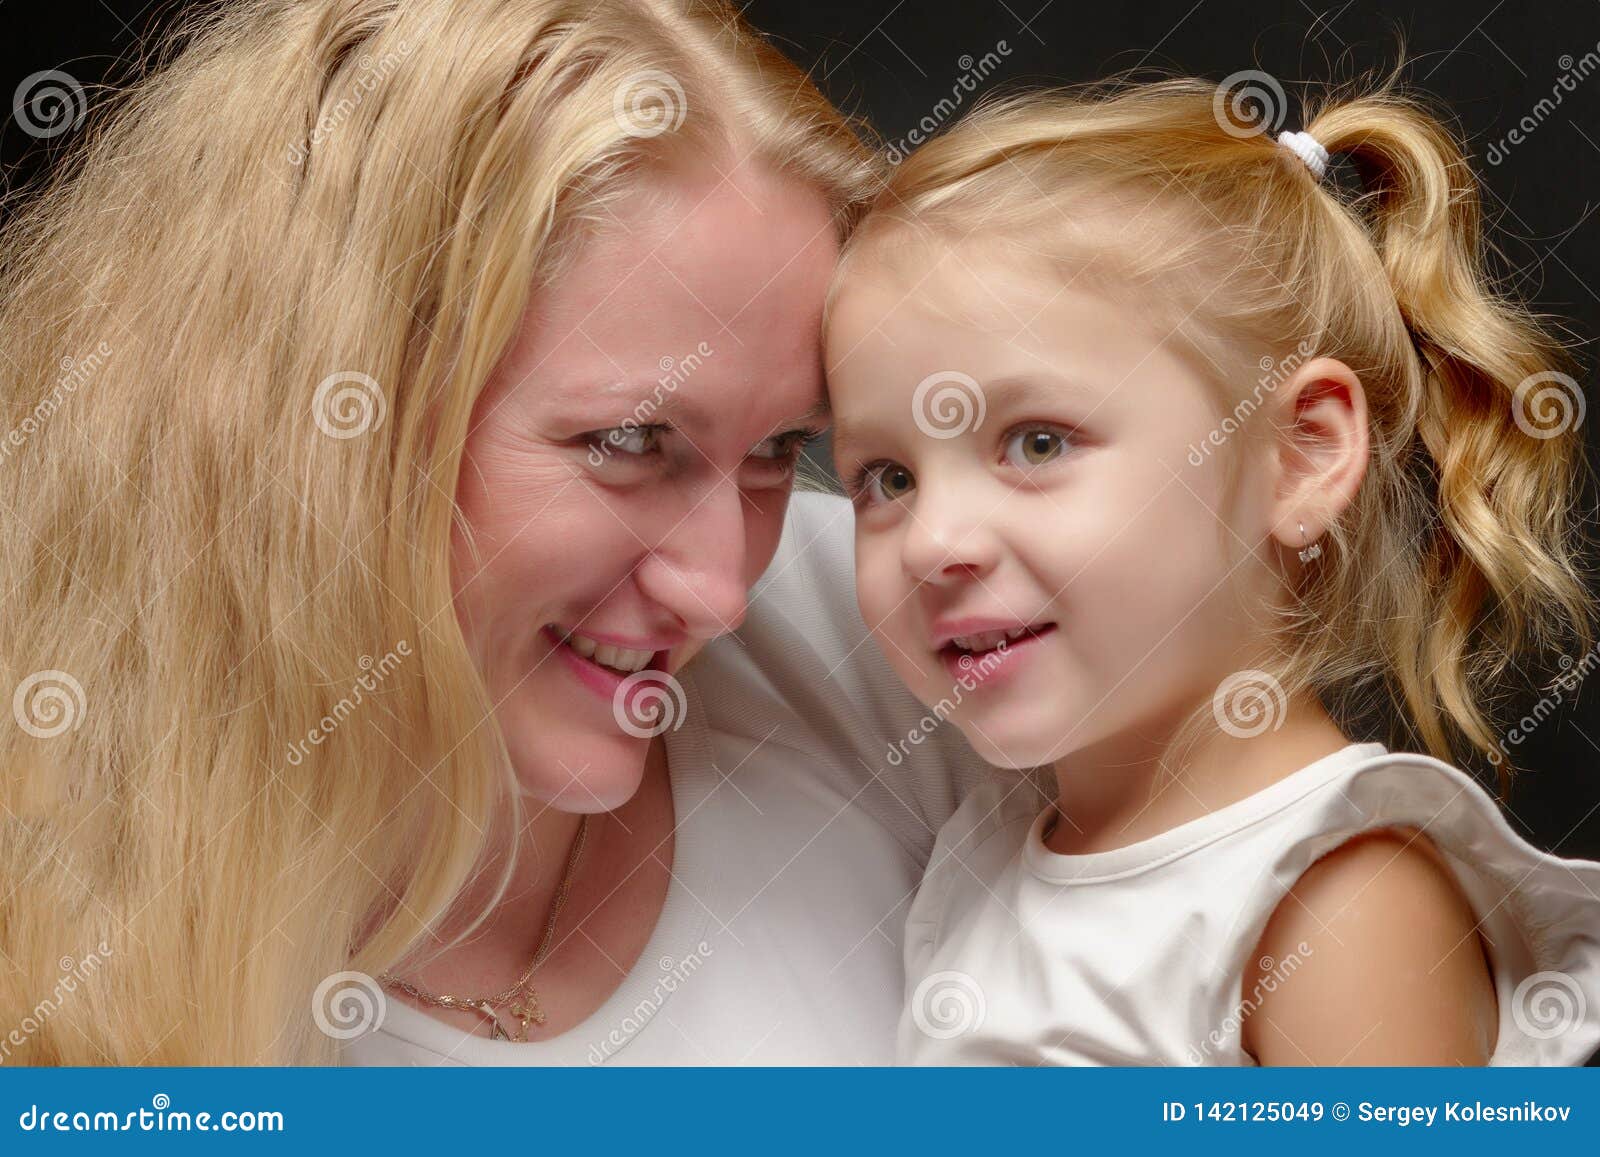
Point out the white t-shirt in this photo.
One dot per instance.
(799, 844)
(1136, 956)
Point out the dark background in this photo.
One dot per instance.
(891, 62)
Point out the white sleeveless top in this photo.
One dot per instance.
(1019, 955)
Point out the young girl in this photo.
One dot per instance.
(1172, 463)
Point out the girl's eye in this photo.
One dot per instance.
(886, 482)
(1034, 446)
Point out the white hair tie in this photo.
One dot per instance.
(1308, 149)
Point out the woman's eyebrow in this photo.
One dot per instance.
(647, 400)
(816, 412)
(819, 413)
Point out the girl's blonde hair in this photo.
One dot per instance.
(243, 332)
(1459, 554)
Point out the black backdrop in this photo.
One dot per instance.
(893, 61)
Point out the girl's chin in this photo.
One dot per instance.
(1014, 745)
(1013, 758)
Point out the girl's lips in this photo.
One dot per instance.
(988, 668)
(603, 680)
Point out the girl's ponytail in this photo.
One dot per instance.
(1494, 443)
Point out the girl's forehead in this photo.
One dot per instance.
(966, 282)
(978, 286)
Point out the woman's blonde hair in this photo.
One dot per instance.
(244, 329)
(1459, 555)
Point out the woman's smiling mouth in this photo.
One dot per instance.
(624, 659)
(603, 664)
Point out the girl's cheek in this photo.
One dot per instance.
(879, 586)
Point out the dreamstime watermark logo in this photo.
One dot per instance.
(1273, 974)
(348, 404)
(1248, 703)
(1274, 373)
(370, 74)
(49, 103)
(349, 1004)
(674, 974)
(975, 668)
(973, 73)
(155, 1119)
(948, 1004)
(1561, 687)
(48, 703)
(947, 404)
(649, 703)
(674, 372)
(373, 673)
(74, 971)
(649, 103)
(1548, 404)
(1572, 74)
(1249, 103)
(1548, 1004)
(75, 373)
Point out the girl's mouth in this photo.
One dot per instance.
(983, 657)
(985, 642)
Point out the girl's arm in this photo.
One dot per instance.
(1390, 967)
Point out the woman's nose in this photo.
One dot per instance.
(697, 570)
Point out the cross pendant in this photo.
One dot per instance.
(525, 1008)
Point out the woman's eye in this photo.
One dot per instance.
(1034, 446)
(886, 482)
(629, 440)
(785, 445)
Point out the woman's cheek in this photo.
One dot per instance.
(763, 529)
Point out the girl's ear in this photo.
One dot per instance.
(1320, 449)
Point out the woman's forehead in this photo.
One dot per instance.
(707, 304)
(735, 243)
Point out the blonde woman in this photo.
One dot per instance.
(438, 372)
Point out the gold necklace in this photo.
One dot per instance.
(520, 1000)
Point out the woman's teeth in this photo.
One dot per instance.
(618, 658)
(988, 640)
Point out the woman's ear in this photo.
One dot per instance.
(1320, 450)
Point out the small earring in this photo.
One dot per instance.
(1311, 551)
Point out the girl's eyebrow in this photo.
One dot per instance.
(1014, 389)
(1042, 386)
(846, 431)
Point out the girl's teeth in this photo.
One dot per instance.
(987, 641)
(617, 658)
